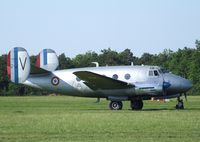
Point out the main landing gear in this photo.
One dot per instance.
(135, 105)
(180, 104)
(115, 105)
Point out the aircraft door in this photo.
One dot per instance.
(156, 79)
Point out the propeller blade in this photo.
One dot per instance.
(165, 86)
(98, 100)
(164, 92)
(185, 96)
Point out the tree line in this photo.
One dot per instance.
(184, 62)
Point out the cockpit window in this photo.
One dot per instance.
(156, 73)
(163, 70)
(150, 73)
(160, 71)
(153, 73)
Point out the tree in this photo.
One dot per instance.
(65, 62)
(85, 60)
(197, 42)
(126, 57)
(108, 57)
(146, 59)
(4, 82)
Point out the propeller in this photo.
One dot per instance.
(164, 92)
(185, 95)
(98, 100)
(165, 86)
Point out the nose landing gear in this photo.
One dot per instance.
(180, 104)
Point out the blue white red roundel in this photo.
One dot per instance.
(55, 81)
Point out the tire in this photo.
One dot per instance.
(180, 105)
(136, 105)
(115, 105)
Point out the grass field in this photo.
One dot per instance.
(62, 118)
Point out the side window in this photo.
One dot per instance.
(156, 73)
(127, 76)
(115, 76)
(150, 73)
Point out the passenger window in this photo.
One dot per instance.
(127, 76)
(150, 73)
(156, 73)
(115, 76)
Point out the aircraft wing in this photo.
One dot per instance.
(97, 81)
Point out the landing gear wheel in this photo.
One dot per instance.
(115, 105)
(180, 104)
(136, 104)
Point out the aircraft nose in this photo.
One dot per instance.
(178, 84)
(186, 85)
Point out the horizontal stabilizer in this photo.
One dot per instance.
(97, 81)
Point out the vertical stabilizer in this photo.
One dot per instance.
(18, 65)
(47, 60)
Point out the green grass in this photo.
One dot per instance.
(62, 118)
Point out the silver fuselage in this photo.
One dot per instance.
(147, 82)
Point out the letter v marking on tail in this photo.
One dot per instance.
(23, 65)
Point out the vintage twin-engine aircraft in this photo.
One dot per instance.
(115, 83)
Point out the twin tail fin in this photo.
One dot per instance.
(19, 67)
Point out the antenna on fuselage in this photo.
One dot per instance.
(132, 64)
(96, 63)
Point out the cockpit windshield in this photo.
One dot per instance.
(153, 73)
(162, 70)
(156, 73)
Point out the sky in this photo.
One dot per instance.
(77, 26)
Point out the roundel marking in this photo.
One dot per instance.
(55, 81)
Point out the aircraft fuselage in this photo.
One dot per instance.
(148, 81)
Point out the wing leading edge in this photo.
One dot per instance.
(100, 82)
